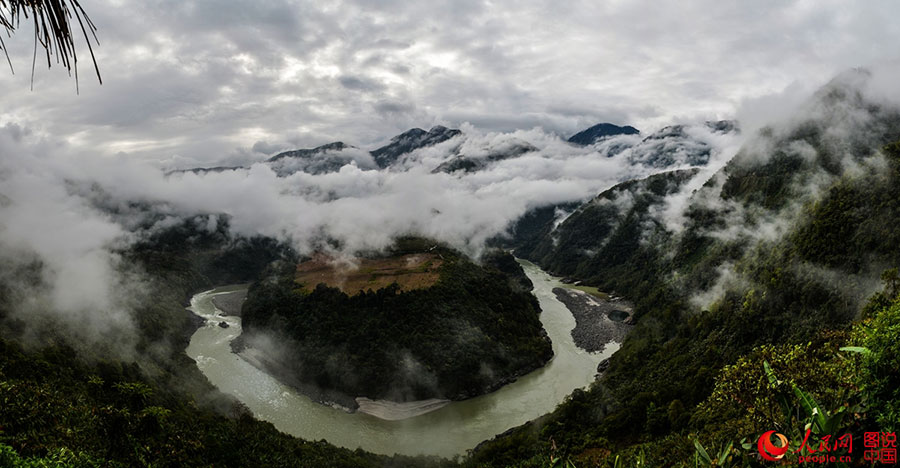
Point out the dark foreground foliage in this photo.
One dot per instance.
(62, 410)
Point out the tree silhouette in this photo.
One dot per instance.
(54, 30)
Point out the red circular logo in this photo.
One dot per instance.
(770, 451)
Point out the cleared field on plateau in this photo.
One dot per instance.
(411, 271)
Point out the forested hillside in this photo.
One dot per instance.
(476, 328)
(602, 237)
(62, 407)
(58, 410)
(783, 247)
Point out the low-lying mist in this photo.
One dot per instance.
(65, 217)
(68, 216)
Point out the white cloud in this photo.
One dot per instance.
(202, 80)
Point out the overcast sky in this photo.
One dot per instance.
(209, 81)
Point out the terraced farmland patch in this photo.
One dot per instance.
(410, 271)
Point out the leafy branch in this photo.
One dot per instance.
(54, 30)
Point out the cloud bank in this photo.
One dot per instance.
(66, 213)
(201, 82)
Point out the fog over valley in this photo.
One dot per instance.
(475, 234)
(73, 211)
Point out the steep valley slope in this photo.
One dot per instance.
(774, 258)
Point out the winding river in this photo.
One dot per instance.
(448, 431)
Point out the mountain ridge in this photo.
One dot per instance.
(670, 146)
(597, 132)
(778, 252)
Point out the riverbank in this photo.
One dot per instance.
(451, 430)
(258, 351)
(250, 349)
(471, 331)
(230, 303)
(393, 411)
(597, 321)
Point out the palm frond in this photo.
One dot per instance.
(53, 29)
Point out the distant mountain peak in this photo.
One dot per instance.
(333, 146)
(412, 140)
(305, 153)
(723, 126)
(467, 163)
(600, 131)
(413, 132)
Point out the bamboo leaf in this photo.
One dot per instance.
(856, 349)
(812, 408)
(723, 454)
(773, 380)
(702, 451)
